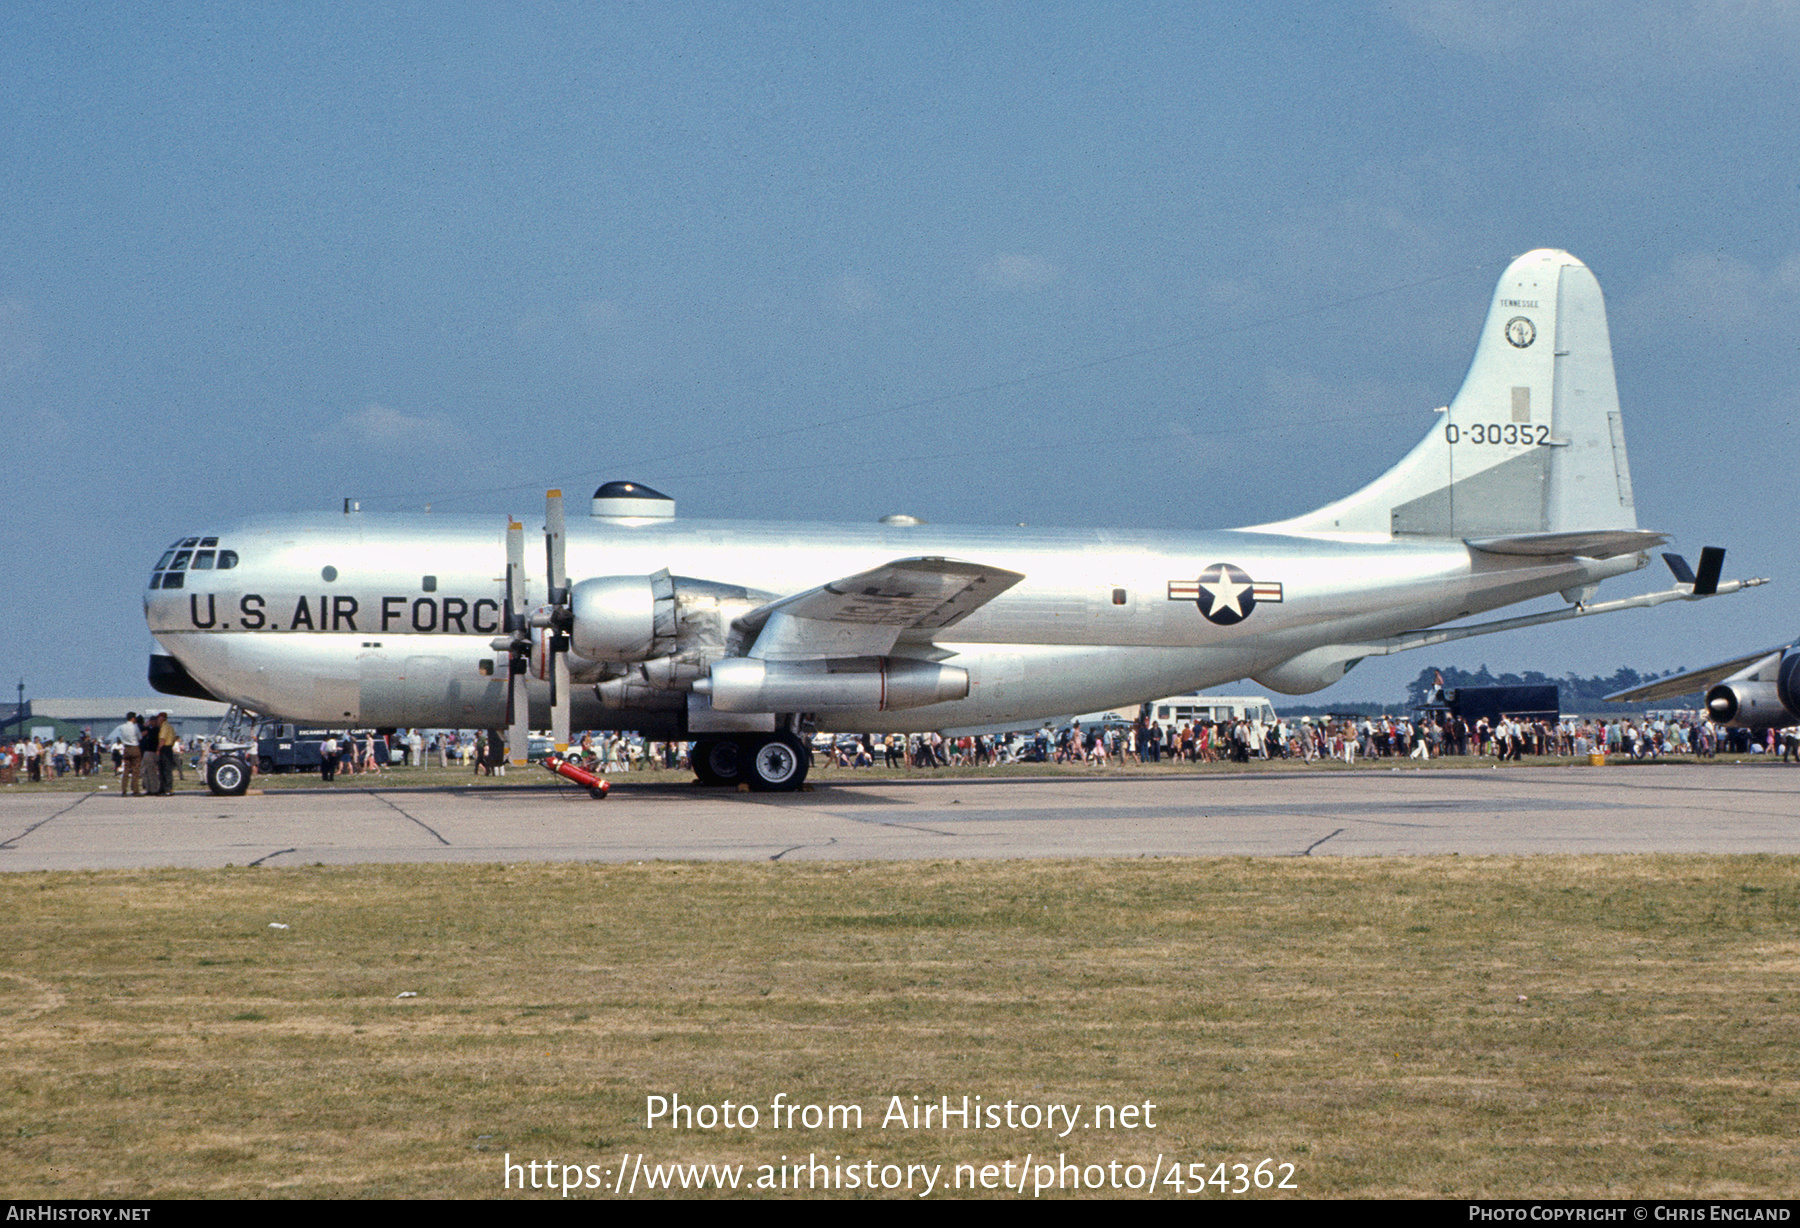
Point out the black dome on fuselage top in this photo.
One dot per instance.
(629, 490)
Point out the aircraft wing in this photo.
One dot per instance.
(866, 614)
(1697, 679)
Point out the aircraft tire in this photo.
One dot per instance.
(228, 776)
(717, 761)
(774, 764)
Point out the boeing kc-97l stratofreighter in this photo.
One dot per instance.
(742, 636)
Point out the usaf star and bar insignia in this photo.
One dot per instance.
(1225, 594)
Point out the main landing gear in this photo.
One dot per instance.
(767, 762)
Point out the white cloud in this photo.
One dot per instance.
(390, 430)
(853, 295)
(1788, 275)
(1468, 25)
(1015, 271)
(1301, 397)
(20, 348)
(602, 315)
(1669, 35)
(1717, 290)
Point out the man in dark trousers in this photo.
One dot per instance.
(149, 756)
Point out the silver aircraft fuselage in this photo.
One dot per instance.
(400, 633)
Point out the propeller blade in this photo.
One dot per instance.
(519, 735)
(515, 576)
(559, 700)
(557, 575)
(555, 534)
(1706, 580)
(518, 708)
(512, 684)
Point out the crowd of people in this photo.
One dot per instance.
(1370, 737)
(148, 755)
(145, 752)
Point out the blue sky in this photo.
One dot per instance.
(1183, 265)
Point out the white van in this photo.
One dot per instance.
(1186, 709)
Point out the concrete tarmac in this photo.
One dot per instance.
(1677, 808)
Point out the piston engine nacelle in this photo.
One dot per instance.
(745, 684)
(631, 619)
(1758, 705)
(623, 618)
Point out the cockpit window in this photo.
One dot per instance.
(182, 557)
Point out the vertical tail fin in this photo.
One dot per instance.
(1531, 444)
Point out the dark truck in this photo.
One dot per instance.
(295, 748)
(1471, 703)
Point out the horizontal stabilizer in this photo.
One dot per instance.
(865, 614)
(1600, 544)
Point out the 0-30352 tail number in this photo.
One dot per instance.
(1497, 432)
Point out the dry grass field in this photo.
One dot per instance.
(1431, 1027)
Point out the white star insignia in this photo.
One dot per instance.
(1226, 594)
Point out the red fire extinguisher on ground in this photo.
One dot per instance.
(597, 788)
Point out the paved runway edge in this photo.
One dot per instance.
(1279, 814)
